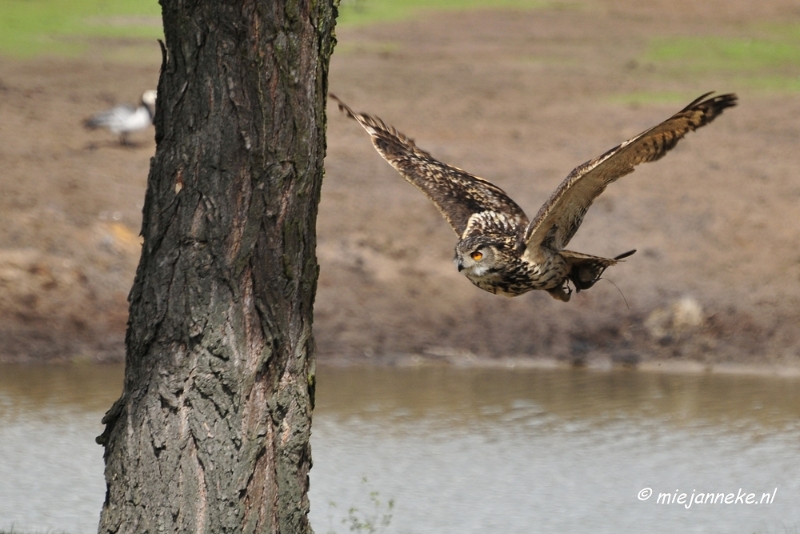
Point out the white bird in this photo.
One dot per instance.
(126, 118)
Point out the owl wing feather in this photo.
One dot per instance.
(456, 193)
(561, 216)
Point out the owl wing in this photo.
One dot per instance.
(458, 194)
(561, 216)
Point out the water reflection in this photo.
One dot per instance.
(51, 470)
(466, 450)
(460, 450)
(39, 389)
(469, 396)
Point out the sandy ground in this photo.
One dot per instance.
(519, 98)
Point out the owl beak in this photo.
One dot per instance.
(459, 265)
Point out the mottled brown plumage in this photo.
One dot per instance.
(499, 249)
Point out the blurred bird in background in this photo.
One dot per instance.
(126, 118)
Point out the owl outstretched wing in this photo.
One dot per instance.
(458, 194)
(561, 216)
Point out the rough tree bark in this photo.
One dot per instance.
(211, 433)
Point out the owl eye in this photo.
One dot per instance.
(477, 255)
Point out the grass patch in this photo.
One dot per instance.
(646, 97)
(767, 60)
(35, 27)
(362, 12)
(774, 84)
(384, 47)
(66, 27)
(721, 53)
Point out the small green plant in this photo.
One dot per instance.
(375, 521)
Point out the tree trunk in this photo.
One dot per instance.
(211, 433)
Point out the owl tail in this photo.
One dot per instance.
(585, 270)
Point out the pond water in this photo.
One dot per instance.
(463, 450)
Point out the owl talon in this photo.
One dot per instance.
(563, 293)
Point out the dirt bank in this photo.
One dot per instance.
(519, 98)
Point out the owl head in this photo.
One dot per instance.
(480, 256)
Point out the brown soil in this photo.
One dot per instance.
(517, 97)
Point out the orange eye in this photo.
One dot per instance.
(477, 255)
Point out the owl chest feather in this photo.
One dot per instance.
(521, 274)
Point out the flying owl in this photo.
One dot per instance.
(499, 249)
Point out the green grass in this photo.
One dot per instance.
(66, 27)
(768, 60)
(361, 12)
(36, 27)
(721, 53)
(653, 97)
(384, 47)
(774, 84)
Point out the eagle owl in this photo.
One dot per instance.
(499, 249)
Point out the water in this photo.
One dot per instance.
(51, 470)
(462, 450)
